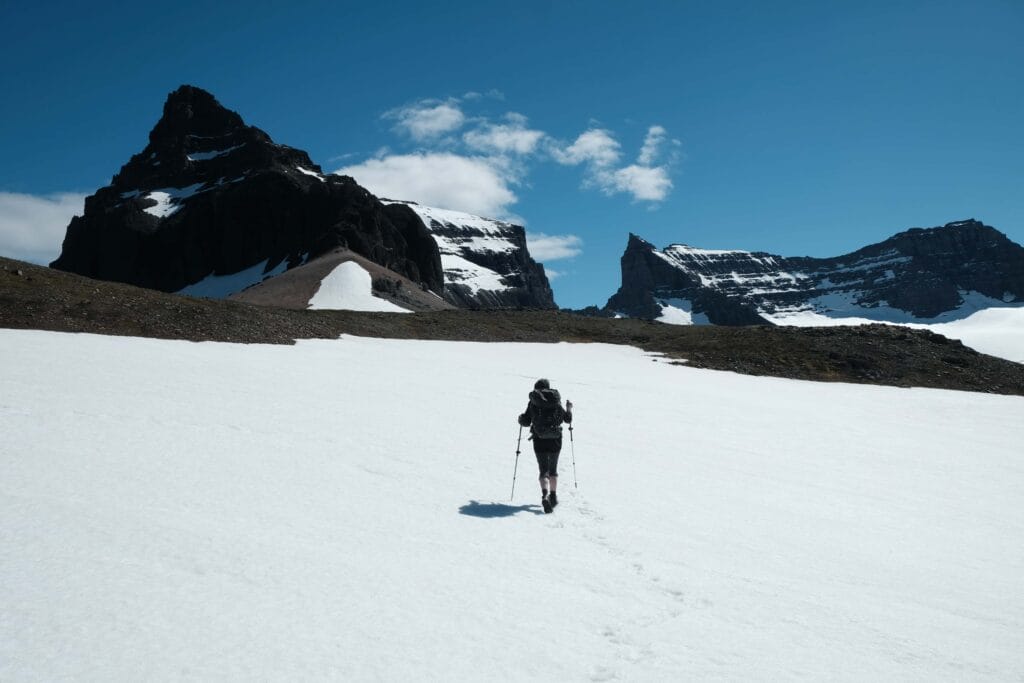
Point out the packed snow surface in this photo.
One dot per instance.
(339, 510)
(349, 287)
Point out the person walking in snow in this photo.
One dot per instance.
(544, 416)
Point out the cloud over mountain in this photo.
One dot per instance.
(441, 179)
(472, 163)
(32, 226)
(553, 247)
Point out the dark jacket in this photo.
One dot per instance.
(544, 414)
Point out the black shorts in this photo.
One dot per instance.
(547, 451)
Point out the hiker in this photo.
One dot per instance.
(544, 416)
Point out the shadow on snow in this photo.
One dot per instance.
(475, 508)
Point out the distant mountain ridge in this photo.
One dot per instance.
(210, 196)
(931, 274)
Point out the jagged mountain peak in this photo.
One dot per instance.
(198, 140)
(638, 243)
(192, 111)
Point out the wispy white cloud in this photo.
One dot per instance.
(600, 152)
(645, 183)
(506, 138)
(32, 227)
(427, 119)
(472, 163)
(652, 145)
(553, 247)
(441, 179)
(493, 94)
(596, 147)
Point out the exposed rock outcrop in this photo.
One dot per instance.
(922, 274)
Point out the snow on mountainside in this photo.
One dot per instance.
(918, 276)
(486, 261)
(246, 512)
(223, 286)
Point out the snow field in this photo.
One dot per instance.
(339, 509)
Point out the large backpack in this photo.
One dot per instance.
(548, 415)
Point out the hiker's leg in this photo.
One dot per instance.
(553, 466)
(542, 465)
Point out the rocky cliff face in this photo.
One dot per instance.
(486, 262)
(210, 195)
(922, 274)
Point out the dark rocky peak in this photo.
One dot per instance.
(637, 243)
(961, 238)
(191, 112)
(200, 143)
(210, 196)
(956, 237)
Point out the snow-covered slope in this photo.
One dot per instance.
(223, 286)
(327, 511)
(349, 287)
(995, 331)
(992, 327)
(486, 262)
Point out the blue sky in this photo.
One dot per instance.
(799, 128)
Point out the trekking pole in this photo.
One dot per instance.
(514, 469)
(572, 448)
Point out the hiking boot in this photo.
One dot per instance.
(553, 498)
